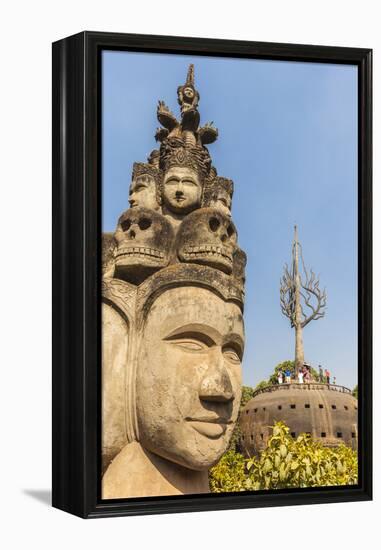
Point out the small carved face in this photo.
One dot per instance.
(207, 237)
(222, 201)
(188, 92)
(182, 190)
(143, 192)
(144, 239)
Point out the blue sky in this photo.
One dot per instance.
(288, 139)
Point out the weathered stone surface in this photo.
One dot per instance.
(114, 353)
(189, 376)
(145, 186)
(108, 248)
(208, 237)
(173, 336)
(182, 190)
(322, 410)
(144, 240)
(136, 472)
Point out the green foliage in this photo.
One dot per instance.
(284, 463)
(247, 394)
(303, 462)
(261, 385)
(290, 365)
(235, 440)
(355, 391)
(229, 475)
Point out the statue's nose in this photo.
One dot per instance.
(216, 384)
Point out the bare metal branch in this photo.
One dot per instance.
(313, 292)
(287, 295)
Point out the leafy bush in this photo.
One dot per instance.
(290, 365)
(230, 474)
(286, 462)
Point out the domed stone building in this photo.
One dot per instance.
(326, 411)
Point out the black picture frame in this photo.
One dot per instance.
(77, 274)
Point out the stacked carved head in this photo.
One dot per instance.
(145, 186)
(184, 170)
(180, 208)
(144, 241)
(207, 237)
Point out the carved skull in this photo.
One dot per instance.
(144, 241)
(208, 237)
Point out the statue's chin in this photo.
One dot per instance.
(180, 209)
(195, 460)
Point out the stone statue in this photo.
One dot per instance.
(187, 128)
(144, 189)
(182, 191)
(173, 334)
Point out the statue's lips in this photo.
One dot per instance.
(210, 427)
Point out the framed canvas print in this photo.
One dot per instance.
(212, 274)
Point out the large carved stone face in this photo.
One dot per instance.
(182, 190)
(207, 237)
(189, 376)
(143, 192)
(144, 240)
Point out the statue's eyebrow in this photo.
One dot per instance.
(234, 340)
(205, 333)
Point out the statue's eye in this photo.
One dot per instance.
(214, 224)
(190, 340)
(231, 355)
(230, 230)
(190, 345)
(144, 223)
(126, 224)
(172, 181)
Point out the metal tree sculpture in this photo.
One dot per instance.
(294, 290)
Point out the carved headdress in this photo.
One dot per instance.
(143, 168)
(147, 242)
(175, 152)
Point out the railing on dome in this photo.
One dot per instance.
(303, 386)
